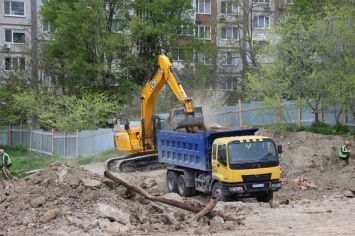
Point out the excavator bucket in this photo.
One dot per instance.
(179, 118)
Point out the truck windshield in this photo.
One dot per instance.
(264, 151)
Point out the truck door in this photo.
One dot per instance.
(219, 162)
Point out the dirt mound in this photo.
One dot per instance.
(65, 199)
(313, 157)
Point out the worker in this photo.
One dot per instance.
(344, 152)
(6, 164)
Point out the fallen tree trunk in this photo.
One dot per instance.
(208, 209)
(171, 202)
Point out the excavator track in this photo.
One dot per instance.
(134, 162)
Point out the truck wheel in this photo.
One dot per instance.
(265, 197)
(181, 187)
(171, 180)
(217, 192)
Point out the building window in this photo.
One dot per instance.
(229, 33)
(203, 32)
(261, 1)
(229, 58)
(14, 63)
(47, 26)
(14, 36)
(47, 80)
(262, 22)
(14, 8)
(203, 58)
(227, 83)
(186, 30)
(203, 6)
(229, 7)
(178, 55)
(287, 1)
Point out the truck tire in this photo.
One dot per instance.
(265, 197)
(217, 192)
(171, 181)
(181, 187)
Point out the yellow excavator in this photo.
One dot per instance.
(141, 141)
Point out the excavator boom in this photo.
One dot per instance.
(141, 141)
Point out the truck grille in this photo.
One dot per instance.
(256, 178)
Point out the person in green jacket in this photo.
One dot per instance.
(6, 164)
(344, 152)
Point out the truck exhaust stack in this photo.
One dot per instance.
(179, 118)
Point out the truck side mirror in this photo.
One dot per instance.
(279, 149)
(209, 150)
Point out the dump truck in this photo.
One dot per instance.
(229, 164)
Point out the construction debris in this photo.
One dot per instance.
(201, 212)
(301, 181)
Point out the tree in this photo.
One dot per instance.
(310, 55)
(337, 55)
(63, 112)
(83, 48)
(156, 27)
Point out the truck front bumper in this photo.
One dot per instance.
(249, 189)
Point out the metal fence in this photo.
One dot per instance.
(89, 142)
(251, 114)
(64, 144)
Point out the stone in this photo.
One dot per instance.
(50, 215)
(91, 183)
(38, 202)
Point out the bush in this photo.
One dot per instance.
(21, 147)
(323, 128)
(316, 127)
(341, 128)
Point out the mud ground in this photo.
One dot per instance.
(65, 199)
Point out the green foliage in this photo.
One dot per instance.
(85, 46)
(21, 147)
(154, 29)
(69, 113)
(11, 114)
(326, 129)
(91, 110)
(306, 63)
(316, 127)
(101, 157)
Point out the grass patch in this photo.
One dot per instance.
(101, 157)
(24, 161)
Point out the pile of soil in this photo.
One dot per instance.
(66, 199)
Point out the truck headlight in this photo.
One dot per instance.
(276, 185)
(235, 189)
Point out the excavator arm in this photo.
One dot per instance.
(140, 141)
(183, 117)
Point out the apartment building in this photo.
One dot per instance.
(15, 32)
(235, 25)
(230, 25)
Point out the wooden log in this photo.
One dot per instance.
(208, 209)
(170, 202)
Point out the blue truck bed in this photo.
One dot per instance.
(191, 150)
